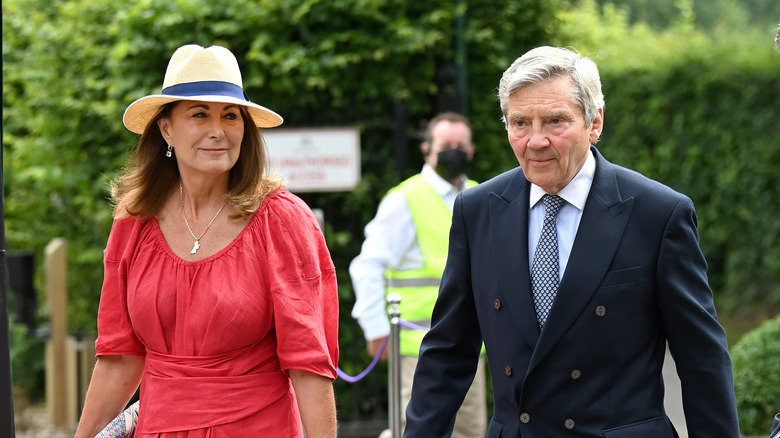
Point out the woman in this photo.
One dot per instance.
(219, 294)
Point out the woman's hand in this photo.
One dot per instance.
(114, 381)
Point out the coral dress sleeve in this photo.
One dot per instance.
(303, 286)
(115, 330)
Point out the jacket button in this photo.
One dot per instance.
(525, 418)
(497, 304)
(569, 424)
(601, 311)
(508, 370)
(576, 374)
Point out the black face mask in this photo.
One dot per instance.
(452, 163)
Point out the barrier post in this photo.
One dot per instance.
(85, 350)
(394, 369)
(61, 398)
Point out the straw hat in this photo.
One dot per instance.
(204, 74)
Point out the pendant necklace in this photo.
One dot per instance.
(196, 245)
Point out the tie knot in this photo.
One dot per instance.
(552, 203)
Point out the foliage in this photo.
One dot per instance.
(27, 362)
(706, 14)
(71, 67)
(756, 360)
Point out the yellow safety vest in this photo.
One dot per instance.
(419, 288)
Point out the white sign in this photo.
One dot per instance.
(315, 159)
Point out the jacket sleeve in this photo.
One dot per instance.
(450, 350)
(696, 339)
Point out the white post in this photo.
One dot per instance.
(394, 368)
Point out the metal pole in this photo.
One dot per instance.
(394, 368)
(6, 388)
(400, 140)
(462, 59)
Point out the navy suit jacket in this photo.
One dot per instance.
(636, 278)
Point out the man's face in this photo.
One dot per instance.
(447, 135)
(548, 134)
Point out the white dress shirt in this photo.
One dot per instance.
(575, 194)
(391, 243)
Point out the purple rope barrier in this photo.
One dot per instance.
(370, 367)
(412, 325)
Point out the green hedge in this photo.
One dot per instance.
(711, 130)
(756, 360)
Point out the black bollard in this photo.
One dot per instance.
(21, 267)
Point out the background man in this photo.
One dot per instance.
(405, 251)
(575, 272)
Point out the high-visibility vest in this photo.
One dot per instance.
(419, 288)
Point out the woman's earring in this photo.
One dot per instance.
(169, 153)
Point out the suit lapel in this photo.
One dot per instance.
(603, 220)
(509, 243)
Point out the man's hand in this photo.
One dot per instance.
(372, 346)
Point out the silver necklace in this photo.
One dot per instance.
(196, 245)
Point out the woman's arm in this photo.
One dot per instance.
(114, 381)
(316, 403)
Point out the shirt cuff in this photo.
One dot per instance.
(374, 326)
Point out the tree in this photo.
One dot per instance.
(706, 14)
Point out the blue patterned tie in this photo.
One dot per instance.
(544, 271)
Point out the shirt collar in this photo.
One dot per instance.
(439, 184)
(576, 191)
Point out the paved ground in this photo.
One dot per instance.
(33, 422)
(673, 397)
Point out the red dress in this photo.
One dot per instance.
(218, 333)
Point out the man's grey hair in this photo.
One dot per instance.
(777, 37)
(546, 63)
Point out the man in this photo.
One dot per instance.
(405, 251)
(579, 354)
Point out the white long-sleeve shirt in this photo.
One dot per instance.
(391, 243)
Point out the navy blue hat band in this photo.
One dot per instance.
(203, 88)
